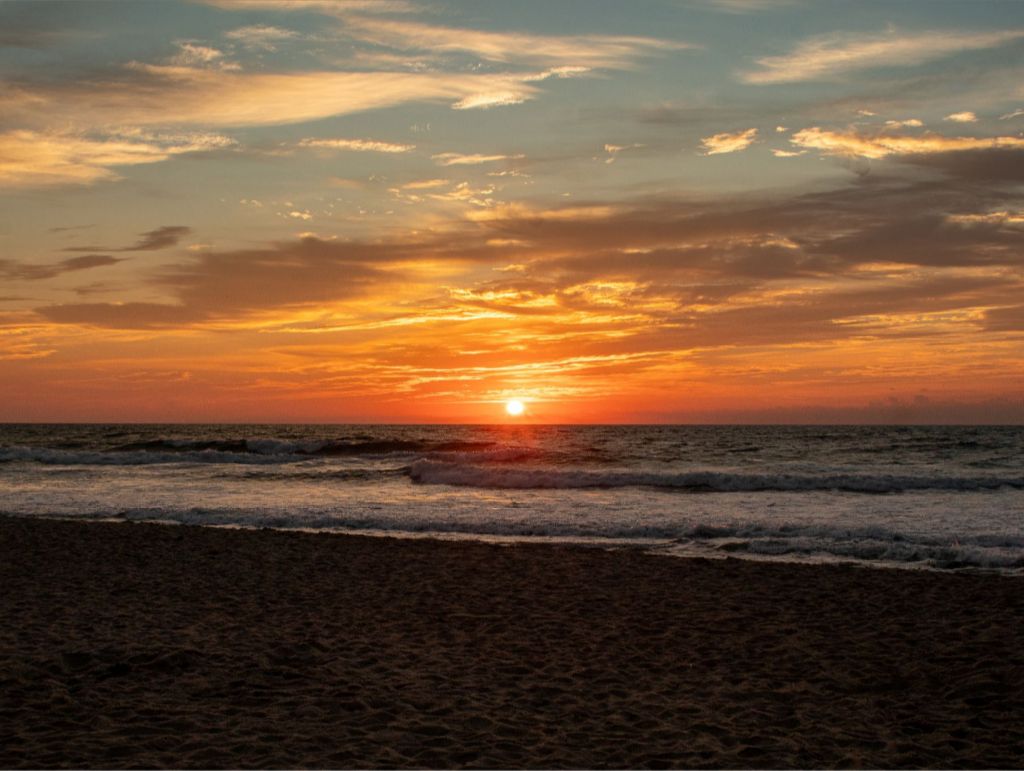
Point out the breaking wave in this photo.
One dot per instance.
(504, 478)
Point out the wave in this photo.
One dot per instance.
(502, 478)
(757, 540)
(61, 457)
(320, 447)
(869, 545)
(260, 451)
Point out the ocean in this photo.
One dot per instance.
(938, 497)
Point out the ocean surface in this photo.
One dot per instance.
(948, 498)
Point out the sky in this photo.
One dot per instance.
(663, 211)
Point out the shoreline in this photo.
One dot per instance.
(227, 647)
(669, 548)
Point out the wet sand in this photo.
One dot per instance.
(144, 645)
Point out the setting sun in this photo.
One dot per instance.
(514, 407)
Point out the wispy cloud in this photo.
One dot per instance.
(825, 57)
(425, 184)
(1002, 217)
(590, 51)
(460, 159)
(329, 7)
(169, 95)
(39, 159)
(728, 142)
(750, 6)
(523, 213)
(192, 54)
(506, 90)
(614, 150)
(852, 143)
(360, 145)
(962, 117)
(908, 123)
(262, 36)
(490, 99)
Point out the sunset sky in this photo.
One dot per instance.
(660, 211)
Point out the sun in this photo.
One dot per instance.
(514, 407)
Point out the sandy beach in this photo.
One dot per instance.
(128, 645)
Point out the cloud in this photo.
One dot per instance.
(821, 234)
(152, 240)
(614, 150)
(123, 315)
(329, 7)
(852, 143)
(826, 57)
(754, 285)
(909, 123)
(192, 54)
(42, 159)
(1014, 114)
(230, 285)
(1002, 217)
(22, 271)
(261, 36)
(197, 86)
(962, 117)
(69, 228)
(750, 6)
(992, 166)
(520, 212)
(170, 95)
(425, 184)
(562, 72)
(160, 238)
(1006, 319)
(728, 142)
(460, 159)
(487, 100)
(361, 145)
(580, 51)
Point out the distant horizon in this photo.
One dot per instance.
(513, 424)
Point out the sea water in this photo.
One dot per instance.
(913, 496)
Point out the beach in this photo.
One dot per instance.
(145, 645)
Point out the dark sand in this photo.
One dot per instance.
(142, 645)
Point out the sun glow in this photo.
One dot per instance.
(514, 407)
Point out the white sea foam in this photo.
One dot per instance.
(752, 539)
(470, 475)
(947, 497)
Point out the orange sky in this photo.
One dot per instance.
(338, 212)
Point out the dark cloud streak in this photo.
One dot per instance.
(692, 269)
(152, 240)
(26, 272)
